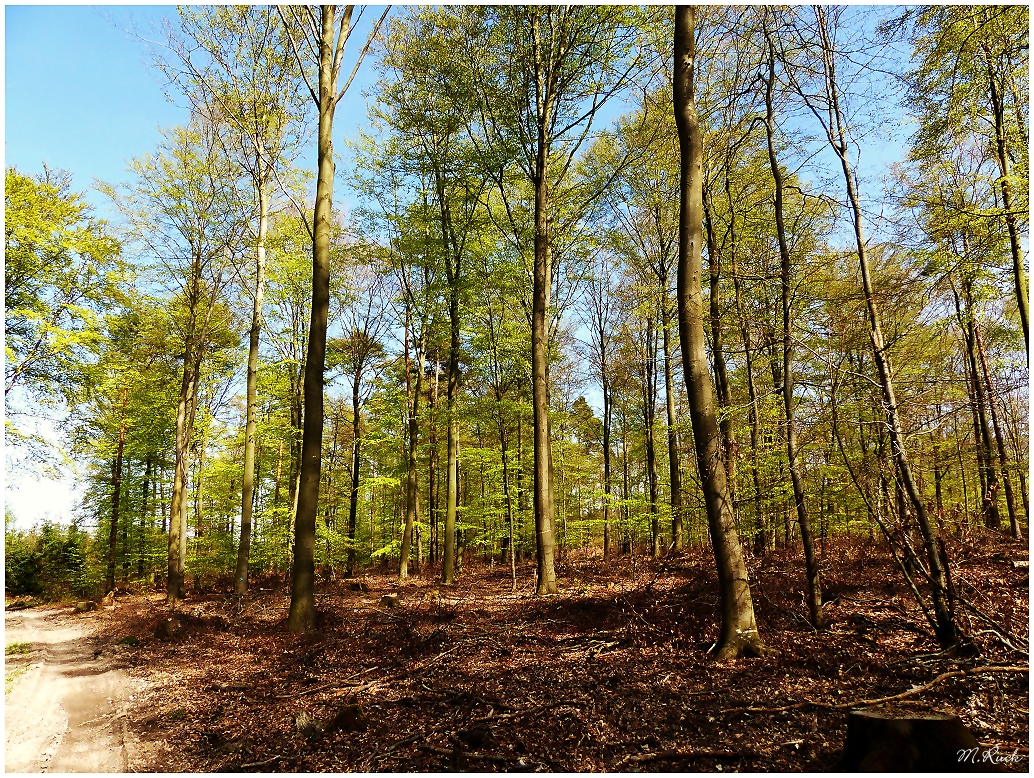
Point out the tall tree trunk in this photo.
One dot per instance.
(989, 477)
(649, 414)
(542, 281)
(116, 493)
(1014, 524)
(626, 511)
(947, 631)
(178, 501)
(1002, 157)
(721, 371)
(453, 277)
(507, 497)
(978, 440)
(814, 584)
(739, 634)
(674, 469)
(145, 516)
(608, 412)
(302, 616)
(353, 492)
(248, 482)
(412, 476)
(432, 463)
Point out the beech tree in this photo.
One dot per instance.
(61, 266)
(543, 74)
(317, 37)
(184, 213)
(739, 633)
(827, 105)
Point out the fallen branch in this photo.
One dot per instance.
(931, 684)
(680, 755)
(263, 762)
(389, 751)
(498, 758)
(504, 716)
(891, 698)
(322, 687)
(431, 661)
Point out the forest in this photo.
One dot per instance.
(695, 333)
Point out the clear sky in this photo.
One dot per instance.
(80, 94)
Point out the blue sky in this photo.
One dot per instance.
(80, 94)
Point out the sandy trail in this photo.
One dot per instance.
(66, 713)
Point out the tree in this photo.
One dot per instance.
(543, 74)
(423, 101)
(968, 80)
(828, 108)
(359, 353)
(323, 36)
(234, 65)
(61, 266)
(814, 587)
(739, 634)
(184, 212)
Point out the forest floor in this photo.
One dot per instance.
(613, 674)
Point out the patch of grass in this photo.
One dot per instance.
(11, 677)
(175, 715)
(130, 640)
(14, 649)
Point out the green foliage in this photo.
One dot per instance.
(49, 561)
(61, 266)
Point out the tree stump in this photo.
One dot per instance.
(390, 600)
(911, 741)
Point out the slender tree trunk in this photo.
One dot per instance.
(453, 276)
(302, 615)
(507, 497)
(1003, 462)
(251, 426)
(721, 371)
(978, 440)
(353, 493)
(761, 542)
(116, 493)
(178, 501)
(608, 412)
(649, 413)
(947, 630)
(432, 463)
(674, 469)
(626, 510)
(989, 474)
(145, 516)
(541, 286)
(739, 634)
(814, 584)
(1002, 157)
(412, 476)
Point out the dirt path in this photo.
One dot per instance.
(65, 713)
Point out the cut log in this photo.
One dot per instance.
(1018, 563)
(910, 741)
(390, 600)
